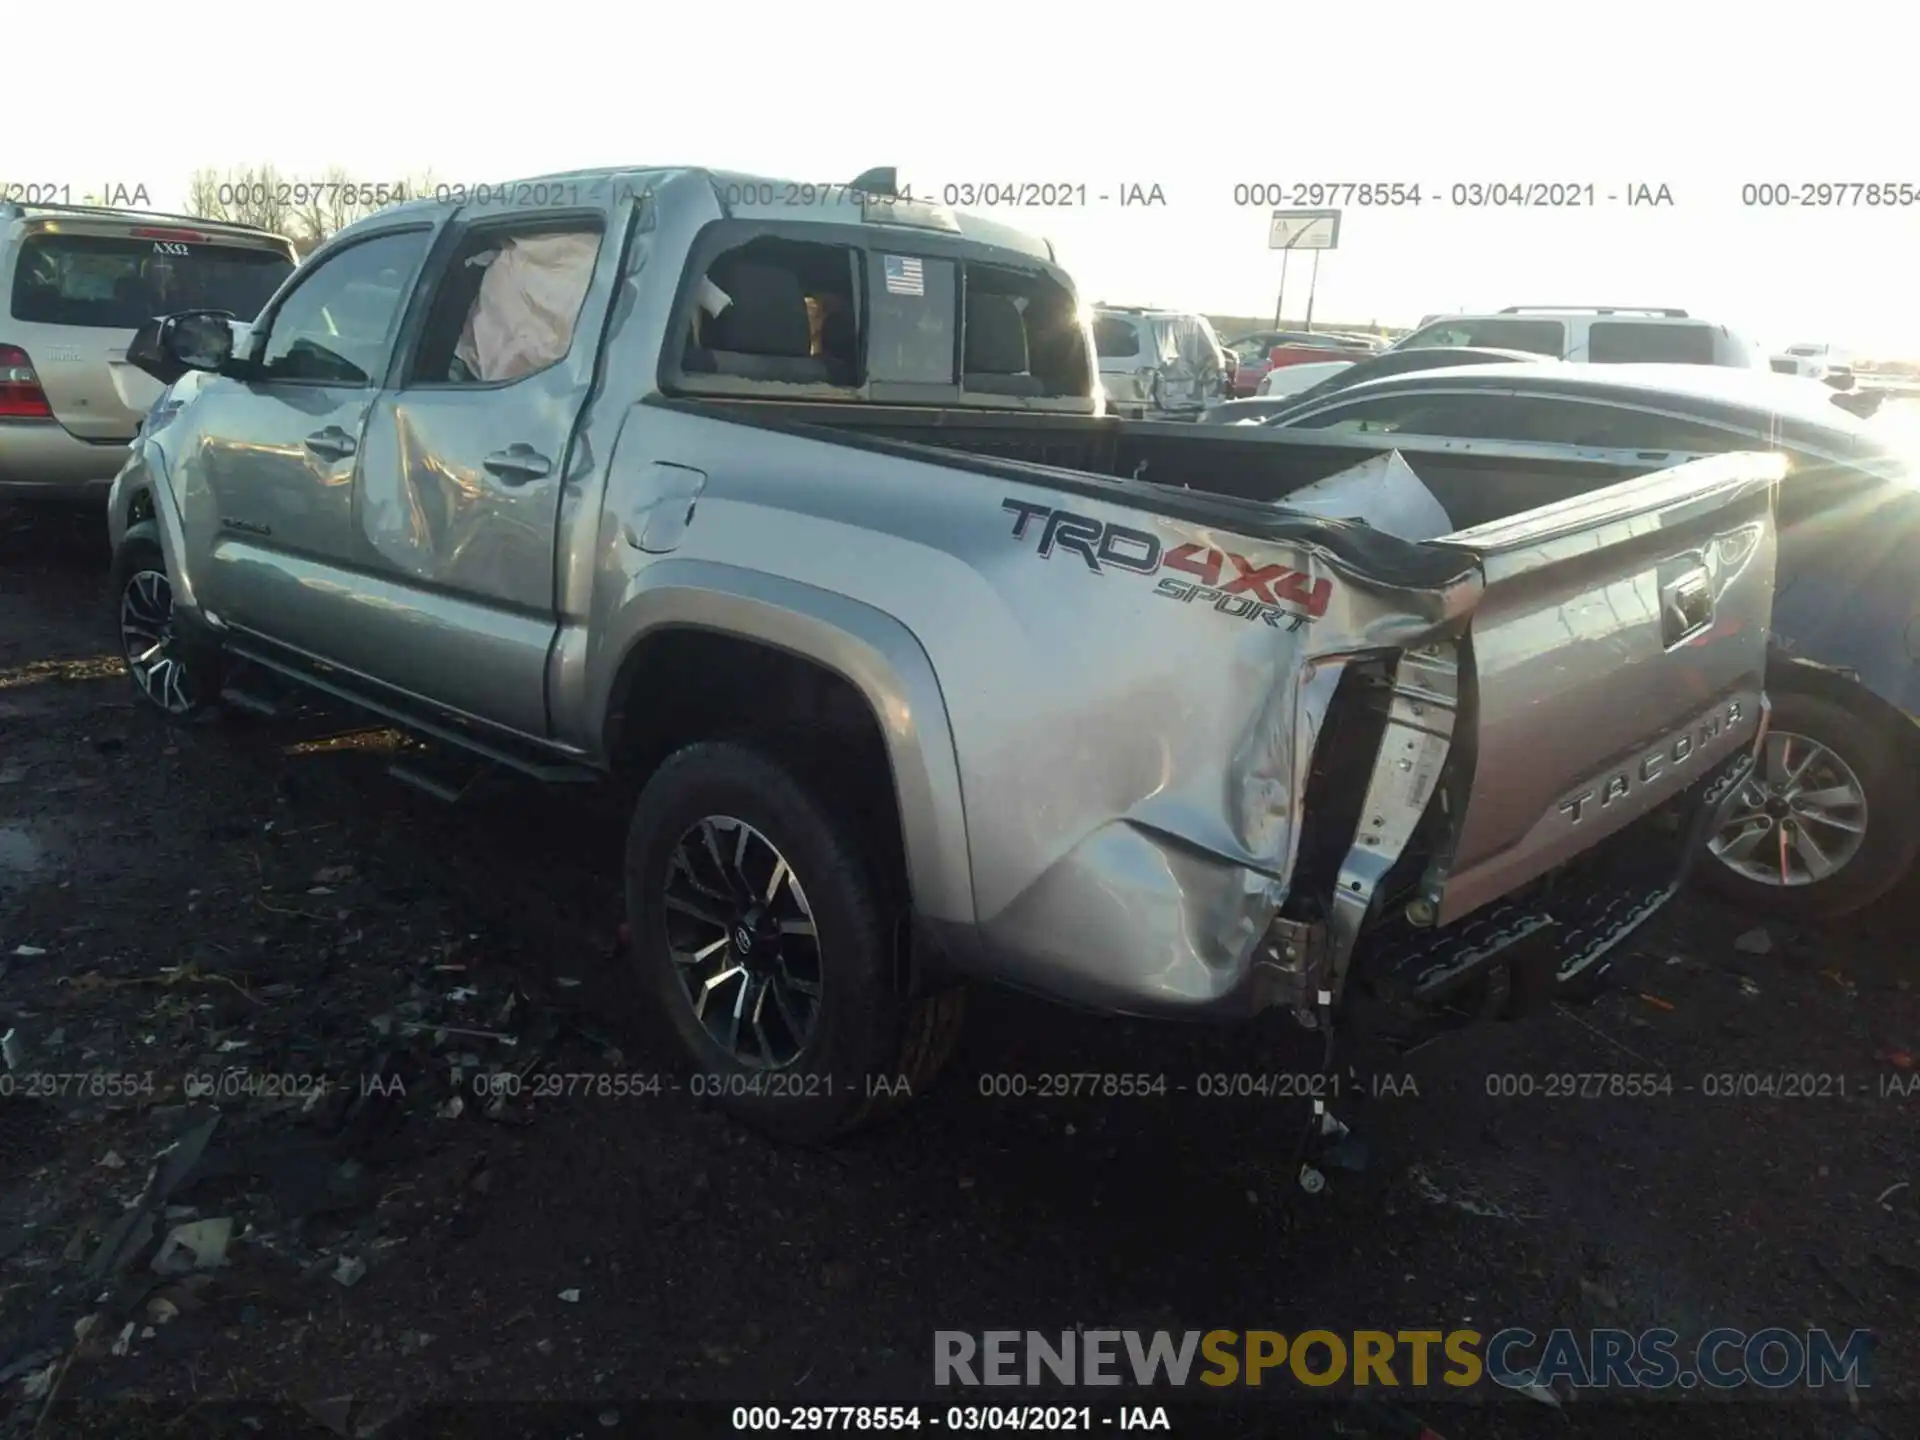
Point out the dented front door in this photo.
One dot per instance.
(457, 504)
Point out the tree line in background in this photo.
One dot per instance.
(305, 209)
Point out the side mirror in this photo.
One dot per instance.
(168, 346)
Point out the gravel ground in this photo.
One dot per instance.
(260, 903)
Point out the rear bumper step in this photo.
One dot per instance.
(1580, 914)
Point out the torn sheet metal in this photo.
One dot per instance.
(1383, 493)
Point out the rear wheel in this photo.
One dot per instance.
(764, 930)
(1829, 820)
(178, 679)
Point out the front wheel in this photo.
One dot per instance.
(174, 677)
(762, 925)
(1828, 822)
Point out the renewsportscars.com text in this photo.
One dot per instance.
(1658, 1359)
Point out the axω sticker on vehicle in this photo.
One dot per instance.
(1231, 584)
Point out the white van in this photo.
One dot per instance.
(1598, 334)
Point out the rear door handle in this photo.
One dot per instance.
(517, 464)
(332, 443)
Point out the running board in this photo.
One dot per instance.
(551, 772)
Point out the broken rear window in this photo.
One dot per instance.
(1115, 338)
(113, 282)
(1022, 335)
(778, 310)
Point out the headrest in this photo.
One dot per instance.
(768, 315)
(996, 336)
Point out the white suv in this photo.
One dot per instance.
(1600, 334)
(76, 281)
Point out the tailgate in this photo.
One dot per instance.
(1617, 655)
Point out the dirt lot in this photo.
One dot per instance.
(245, 899)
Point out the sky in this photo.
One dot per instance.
(1702, 98)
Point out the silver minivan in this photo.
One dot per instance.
(1165, 363)
(75, 282)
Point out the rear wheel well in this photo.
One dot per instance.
(685, 685)
(1843, 690)
(140, 507)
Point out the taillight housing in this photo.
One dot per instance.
(21, 397)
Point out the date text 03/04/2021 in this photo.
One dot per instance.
(1518, 194)
(988, 1419)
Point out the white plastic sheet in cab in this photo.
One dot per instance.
(523, 318)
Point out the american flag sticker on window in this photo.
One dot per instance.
(906, 275)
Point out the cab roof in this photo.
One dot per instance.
(739, 194)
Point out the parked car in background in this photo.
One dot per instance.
(1165, 363)
(1833, 820)
(1290, 380)
(1600, 334)
(1230, 367)
(76, 281)
(1263, 350)
(1815, 361)
(1340, 375)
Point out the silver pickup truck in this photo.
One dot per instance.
(797, 511)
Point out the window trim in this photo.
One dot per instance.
(261, 335)
(438, 265)
(1519, 392)
(1410, 392)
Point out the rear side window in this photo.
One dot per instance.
(1115, 338)
(1022, 335)
(113, 282)
(1626, 342)
(1494, 332)
(784, 311)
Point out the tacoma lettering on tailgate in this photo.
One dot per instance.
(1233, 585)
(1656, 762)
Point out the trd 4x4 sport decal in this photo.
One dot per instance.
(1232, 584)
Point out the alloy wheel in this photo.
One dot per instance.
(744, 945)
(1799, 818)
(147, 639)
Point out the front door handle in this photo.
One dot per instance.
(517, 464)
(332, 443)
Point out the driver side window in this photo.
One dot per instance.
(337, 326)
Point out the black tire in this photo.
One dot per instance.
(140, 553)
(1883, 760)
(872, 1049)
